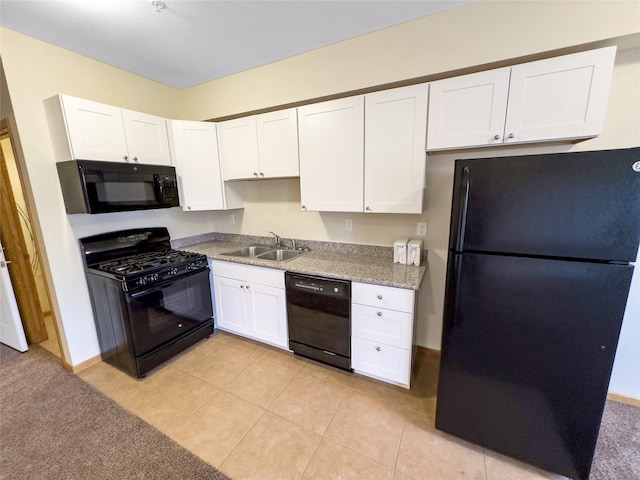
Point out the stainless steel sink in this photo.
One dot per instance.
(280, 255)
(264, 252)
(252, 251)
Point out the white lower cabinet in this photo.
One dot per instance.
(382, 320)
(250, 301)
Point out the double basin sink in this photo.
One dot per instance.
(264, 252)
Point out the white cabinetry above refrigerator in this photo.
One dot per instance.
(561, 98)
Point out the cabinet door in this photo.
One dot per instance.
(95, 130)
(269, 314)
(239, 148)
(278, 143)
(381, 361)
(197, 165)
(331, 136)
(395, 143)
(558, 98)
(147, 138)
(231, 305)
(468, 110)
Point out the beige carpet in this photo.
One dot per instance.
(55, 426)
(617, 454)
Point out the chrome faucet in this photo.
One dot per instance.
(293, 244)
(278, 241)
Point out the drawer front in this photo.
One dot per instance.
(248, 273)
(381, 325)
(381, 361)
(400, 299)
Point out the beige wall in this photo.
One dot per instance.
(34, 72)
(481, 33)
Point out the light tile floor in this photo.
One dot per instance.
(255, 412)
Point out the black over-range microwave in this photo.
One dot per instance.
(90, 186)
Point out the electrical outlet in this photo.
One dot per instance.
(232, 219)
(421, 230)
(348, 225)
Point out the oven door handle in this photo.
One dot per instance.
(160, 286)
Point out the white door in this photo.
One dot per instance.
(332, 155)
(239, 148)
(269, 314)
(394, 151)
(147, 138)
(197, 165)
(95, 130)
(557, 98)
(468, 110)
(278, 143)
(231, 305)
(11, 330)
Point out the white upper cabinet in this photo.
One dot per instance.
(331, 136)
(394, 149)
(365, 153)
(83, 129)
(260, 146)
(278, 143)
(468, 110)
(561, 98)
(239, 148)
(195, 147)
(147, 138)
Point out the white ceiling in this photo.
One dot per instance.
(194, 41)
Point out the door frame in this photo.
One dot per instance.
(15, 248)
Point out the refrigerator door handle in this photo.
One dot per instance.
(464, 205)
(452, 295)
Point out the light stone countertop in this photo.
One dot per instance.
(374, 269)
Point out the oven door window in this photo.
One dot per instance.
(164, 312)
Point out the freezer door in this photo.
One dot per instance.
(527, 352)
(583, 205)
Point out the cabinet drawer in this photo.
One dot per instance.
(248, 273)
(382, 325)
(400, 299)
(381, 361)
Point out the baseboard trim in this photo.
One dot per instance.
(82, 365)
(635, 402)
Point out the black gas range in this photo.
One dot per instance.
(145, 269)
(150, 301)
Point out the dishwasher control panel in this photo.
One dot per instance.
(322, 286)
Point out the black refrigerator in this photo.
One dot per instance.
(538, 276)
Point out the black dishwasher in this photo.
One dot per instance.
(318, 310)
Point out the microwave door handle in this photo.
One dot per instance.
(159, 188)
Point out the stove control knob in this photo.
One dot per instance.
(142, 281)
(154, 277)
(173, 271)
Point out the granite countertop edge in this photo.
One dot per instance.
(374, 268)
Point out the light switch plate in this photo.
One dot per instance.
(421, 230)
(348, 225)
